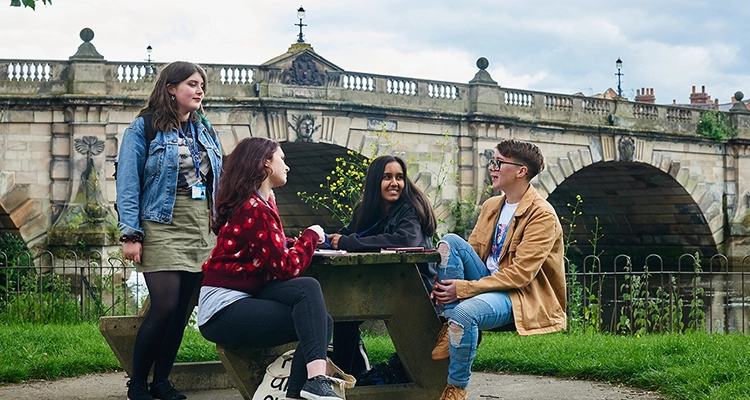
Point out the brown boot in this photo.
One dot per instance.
(453, 393)
(442, 348)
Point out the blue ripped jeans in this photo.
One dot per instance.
(481, 312)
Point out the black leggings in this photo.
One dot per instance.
(160, 334)
(282, 312)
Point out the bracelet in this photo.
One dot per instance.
(131, 239)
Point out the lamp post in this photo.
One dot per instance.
(618, 63)
(301, 16)
(150, 69)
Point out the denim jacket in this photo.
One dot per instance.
(147, 185)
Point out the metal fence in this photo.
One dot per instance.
(688, 294)
(693, 294)
(67, 288)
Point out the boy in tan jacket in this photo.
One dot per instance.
(510, 272)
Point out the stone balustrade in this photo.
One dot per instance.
(45, 78)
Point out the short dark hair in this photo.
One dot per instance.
(525, 153)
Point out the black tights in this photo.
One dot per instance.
(160, 334)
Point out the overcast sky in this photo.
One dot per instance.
(551, 45)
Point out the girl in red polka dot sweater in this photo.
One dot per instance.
(252, 294)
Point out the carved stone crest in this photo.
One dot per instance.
(626, 146)
(305, 127)
(303, 72)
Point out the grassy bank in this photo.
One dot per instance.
(688, 366)
(35, 351)
(680, 367)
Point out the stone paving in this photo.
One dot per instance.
(484, 386)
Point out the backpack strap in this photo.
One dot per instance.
(148, 129)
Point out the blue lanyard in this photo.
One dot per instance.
(328, 244)
(498, 246)
(368, 229)
(194, 150)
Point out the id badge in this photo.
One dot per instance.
(199, 191)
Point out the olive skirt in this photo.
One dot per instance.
(183, 245)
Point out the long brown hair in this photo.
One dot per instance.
(244, 171)
(160, 103)
(368, 211)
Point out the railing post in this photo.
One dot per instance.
(739, 117)
(87, 68)
(484, 96)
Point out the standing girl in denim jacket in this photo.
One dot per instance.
(165, 191)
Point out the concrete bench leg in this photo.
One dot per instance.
(246, 367)
(120, 334)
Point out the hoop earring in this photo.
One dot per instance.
(172, 96)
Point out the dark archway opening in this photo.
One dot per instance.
(309, 164)
(641, 210)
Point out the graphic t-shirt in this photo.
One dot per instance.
(506, 215)
(187, 176)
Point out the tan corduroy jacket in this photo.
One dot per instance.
(531, 266)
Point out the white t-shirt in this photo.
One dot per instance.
(506, 215)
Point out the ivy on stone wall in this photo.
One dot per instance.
(713, 124)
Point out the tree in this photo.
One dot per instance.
(28, 3)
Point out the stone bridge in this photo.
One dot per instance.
(650, 183)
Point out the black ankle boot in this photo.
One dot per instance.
(165, 391)
(138, 390)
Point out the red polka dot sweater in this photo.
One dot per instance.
(251, 249)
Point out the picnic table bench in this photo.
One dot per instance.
(356, 287)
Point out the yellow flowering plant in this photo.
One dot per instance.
(342, 189)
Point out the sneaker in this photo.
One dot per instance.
(442, 348)
(138, 390)
(165, 390)
(453, 393)
(319, 388)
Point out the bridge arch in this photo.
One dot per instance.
(312, 142)
(639, 209)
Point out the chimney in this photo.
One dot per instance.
(700, 98)
(645, 96)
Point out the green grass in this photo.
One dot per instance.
(680, 367)
(687, 366)
(57, 351)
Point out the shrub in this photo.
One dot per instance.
(713, 124)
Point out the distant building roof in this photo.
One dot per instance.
(728, 106)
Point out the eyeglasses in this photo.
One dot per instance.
(495, 163)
